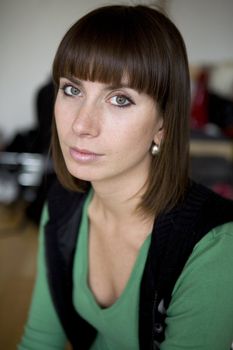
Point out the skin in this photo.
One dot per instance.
(106, 133)
(89, 117)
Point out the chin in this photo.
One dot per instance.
(82, 175)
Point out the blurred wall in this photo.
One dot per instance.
(207, 28)
(30, 31)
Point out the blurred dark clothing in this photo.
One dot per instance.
(37, 140)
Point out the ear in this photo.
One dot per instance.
(158, 137)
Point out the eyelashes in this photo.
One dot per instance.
(121, 101)
(70, 90)
(117, 99)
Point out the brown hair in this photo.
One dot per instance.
(139, 40)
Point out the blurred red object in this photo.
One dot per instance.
(199, 110)
(223, 189)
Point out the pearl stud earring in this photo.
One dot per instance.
(154, 149)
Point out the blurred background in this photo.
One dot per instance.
(30, 31)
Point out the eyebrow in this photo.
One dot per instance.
(72, 80)
(107, 88)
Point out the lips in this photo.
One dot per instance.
(83, 155)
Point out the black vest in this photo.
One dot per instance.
(174, 235)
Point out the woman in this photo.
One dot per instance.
(133, 255)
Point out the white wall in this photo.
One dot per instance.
(207, 28)
(30, 31)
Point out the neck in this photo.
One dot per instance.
(118, 202)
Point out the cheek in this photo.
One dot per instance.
(61, 121)
(136, 140)
(59, 111)
(57, 114)
(143, 133)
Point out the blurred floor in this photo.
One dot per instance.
(18, 248)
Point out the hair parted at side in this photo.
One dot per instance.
(143, 43)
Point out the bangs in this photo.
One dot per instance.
(103, 47)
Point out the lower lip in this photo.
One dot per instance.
(83, 157)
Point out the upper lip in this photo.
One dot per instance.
(85, 151)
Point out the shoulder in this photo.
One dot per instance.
(200, 214)
(62, 203)
(208, 266)
(216, 244)
(202, 296)
(200, 211)
(212, 209)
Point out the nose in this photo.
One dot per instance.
(86, 121)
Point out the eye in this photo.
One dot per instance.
(70, 90)
(121, 101)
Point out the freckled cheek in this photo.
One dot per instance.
(58, 114)
(143, 132)
(63, 119)
(129, 142)
(60, 111)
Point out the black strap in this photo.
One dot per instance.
(174, 237)
(65, 210)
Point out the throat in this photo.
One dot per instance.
(117, 203)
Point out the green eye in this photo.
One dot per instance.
(121, 101)
(70, 90)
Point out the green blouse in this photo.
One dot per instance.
(199, 317)
(117, 325)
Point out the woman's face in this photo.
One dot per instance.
(105, 131)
